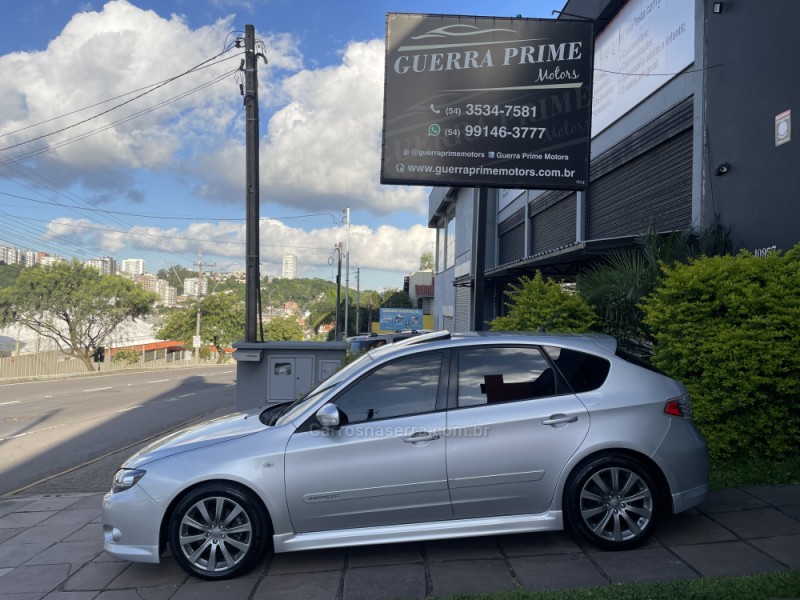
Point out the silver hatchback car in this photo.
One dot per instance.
(437, 436)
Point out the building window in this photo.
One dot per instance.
(450, 245)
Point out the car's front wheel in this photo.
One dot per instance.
(612, 502)
(218, 531)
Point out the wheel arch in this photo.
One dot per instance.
(664, 496)
(163, 534)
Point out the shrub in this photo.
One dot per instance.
(728, 327)
(129, 356)
(536, 303)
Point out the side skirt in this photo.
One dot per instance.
(440, 530)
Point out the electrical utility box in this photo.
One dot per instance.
(271, 372)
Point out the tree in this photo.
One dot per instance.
(221, 322)
(538, 304)
(175, 275)
(8, 274)
(74, 305)
(283, 329)
(617, 286)
(426, 261)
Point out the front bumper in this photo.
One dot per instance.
(131, 525)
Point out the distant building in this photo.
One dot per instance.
(419, 287)
(106, 265)
(193, 288)
(9, 256)
(168, 295)
(132, 266)
(147, 281)
(289, 266)
(45, 259)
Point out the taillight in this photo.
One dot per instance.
(679, 407)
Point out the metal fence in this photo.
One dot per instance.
(56, 363)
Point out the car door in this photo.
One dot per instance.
(512, 426)
(386, 463)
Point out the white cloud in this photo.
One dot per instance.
(386, 247)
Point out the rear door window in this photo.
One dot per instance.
(583, 372)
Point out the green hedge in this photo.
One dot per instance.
(729, 328)
(536, 303)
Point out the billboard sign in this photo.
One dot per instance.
(485, 101)
(398, 319)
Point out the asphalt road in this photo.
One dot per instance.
(48, 428)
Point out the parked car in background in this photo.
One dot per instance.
(367, 341)
(462, 435)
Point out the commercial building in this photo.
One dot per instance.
(132, 266)
(691, 124)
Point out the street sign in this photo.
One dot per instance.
(484, 101)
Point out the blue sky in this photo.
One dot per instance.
(161, 177)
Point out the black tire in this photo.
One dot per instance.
(218, 531)
(612, 502)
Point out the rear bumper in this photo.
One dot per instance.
(683, 458)
(685, 500)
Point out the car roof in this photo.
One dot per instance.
(597, 343)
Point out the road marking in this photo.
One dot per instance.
(98, 389)
(19, 435)
(12, 402)
(158, 381)
(129, 408)
(187, 395)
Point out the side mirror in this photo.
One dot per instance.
(328, 416)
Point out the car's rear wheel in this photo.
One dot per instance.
(612, 502)
(218, 532)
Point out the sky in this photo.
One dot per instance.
(109, 148)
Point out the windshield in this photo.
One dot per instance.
(301, 404)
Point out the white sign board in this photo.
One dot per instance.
(647, 44)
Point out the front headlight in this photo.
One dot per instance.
(125, 479)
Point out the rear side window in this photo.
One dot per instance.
(584, 372)
(493, 375)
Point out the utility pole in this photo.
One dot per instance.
(197, 340)
(252, 243)
(358, 299)
(347, 274)
(338, 290)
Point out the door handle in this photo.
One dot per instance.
(421, 436)
(560, 419)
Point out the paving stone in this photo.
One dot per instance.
(14, 555)
(384, 554)
(779, 495)
(691, 529)
(792, 511)
(785, 548)
(75, 554)
(31, 579)
(16, 520)
(475, 547)
(234, 589)
(31, 596)
(80, 516)
(48, 503)
(536, 544)
(385, 583)
(8, 505)
(726, 558)
(648, 564)
(91, 501)
(144, 593)
(758, 523)
(167, 573)
(307, 562)
(7, 534)
(556, 572)
(87, 533)
(730, 500)
(308, 586)
(5, 570)
(473, 576)
(94, 576)
(71, 595)
(45, 534)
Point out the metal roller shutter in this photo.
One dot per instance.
(511, 238)
(554, 226)
(653, 187)
(462, 309)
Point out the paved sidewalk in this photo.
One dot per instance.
(51, 547)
